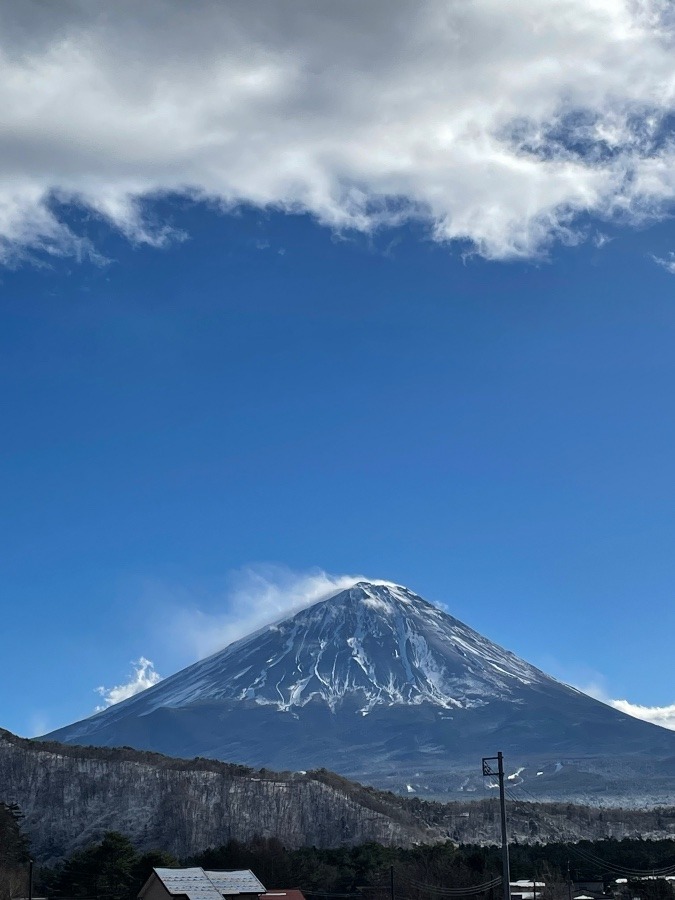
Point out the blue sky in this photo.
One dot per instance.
(225, 371)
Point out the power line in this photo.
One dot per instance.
(484, 885)
(460, 892)
(617, 868)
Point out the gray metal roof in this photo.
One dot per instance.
(191, 882)
(241, 882)
(197, 884)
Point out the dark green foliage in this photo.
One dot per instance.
(650, 890)
(113, 870)
(593, 860)
(350, 869)
(13, 843)
(110, 870)
(13, 853)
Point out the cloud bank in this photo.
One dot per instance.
(143, 676)
(500, 125)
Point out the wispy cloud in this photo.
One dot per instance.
(666, 262)
(142, 677)
(254, 597)
(497, 124)
(38, 723)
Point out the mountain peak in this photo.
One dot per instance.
(378, 684)
(371, 645)
(383, 595)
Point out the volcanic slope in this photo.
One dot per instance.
(383, 687)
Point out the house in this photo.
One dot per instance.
(526, 889)
(279, 894)
(196, 884)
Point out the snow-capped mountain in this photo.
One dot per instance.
(376, 644)
(379, 685)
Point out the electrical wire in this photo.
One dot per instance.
(469, 890)
(440, 892)
(617, 868)
(457, 891)
(593, 858)
(328, 894)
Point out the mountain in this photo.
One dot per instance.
(70, 796)
(383, 687)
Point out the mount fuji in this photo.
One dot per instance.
(381, 686)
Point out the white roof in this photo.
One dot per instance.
(196, 884)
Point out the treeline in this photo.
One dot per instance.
(114, 870)
(110, 870)
(14, 853)
(130, 754)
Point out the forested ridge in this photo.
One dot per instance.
(186, 805)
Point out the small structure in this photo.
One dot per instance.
(526, 889)
(588, 890)
(278, 894)
(196, 884)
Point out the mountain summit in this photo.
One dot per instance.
(372, 644)
(379, 685)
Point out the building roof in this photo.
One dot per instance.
(196, 884)
(281, 894)
(242, 881)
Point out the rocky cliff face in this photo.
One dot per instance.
(71, 795)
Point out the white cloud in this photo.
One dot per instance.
(658, 715)
(496, 123)
(591, 682)
(666, 262)
(255, 597)
(143, 676)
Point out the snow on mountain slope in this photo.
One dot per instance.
(379, 644)
(383, 687)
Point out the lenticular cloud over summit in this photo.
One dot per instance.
(494, 124)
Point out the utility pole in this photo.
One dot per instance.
(391, 882)
(30, 879)
(569, 881)
(488, 770)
